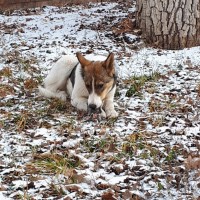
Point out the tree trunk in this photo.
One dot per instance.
(169, 24)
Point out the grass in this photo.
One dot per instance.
(23, 120)
(138, 145)
(6, 72)
(97, 144)
(24, 196)
(137, 82)
(133, 143)
(157, 105)
(160, 186)
(56, 105)
(171, 156)
(23, 67)
(5, 90)
(157, 121)
(56, 190)
(55, 163)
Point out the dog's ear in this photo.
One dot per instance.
(83, 61)
(109, 64)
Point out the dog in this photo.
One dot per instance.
(90, 84)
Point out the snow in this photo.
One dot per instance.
(116, 179)
(156, 132)
(71, 143)
(3, 197)
(19, 184)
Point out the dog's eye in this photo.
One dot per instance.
(100, 85)
(87, 85)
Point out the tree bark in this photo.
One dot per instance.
(169, 24)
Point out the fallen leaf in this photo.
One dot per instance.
(192, 162)
(108, 196)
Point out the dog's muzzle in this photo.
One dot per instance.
(92, 108)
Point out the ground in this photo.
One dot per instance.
(49, 150)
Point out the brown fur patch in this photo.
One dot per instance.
(108, 87)
(103, 78)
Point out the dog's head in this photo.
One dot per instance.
(99, 78)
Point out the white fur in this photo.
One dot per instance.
(57, 77)
(80, 98)
(109, 105)
(94, 98)
(79, 92)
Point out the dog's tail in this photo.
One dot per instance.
(50, 94)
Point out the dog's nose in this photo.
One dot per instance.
(92, 106)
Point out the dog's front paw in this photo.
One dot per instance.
(80, 104)
(111, 114)
(103, 113)
(62, 96)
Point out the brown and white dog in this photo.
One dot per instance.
(90, 84)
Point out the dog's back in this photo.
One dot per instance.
(61, 70)
(55, 82)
